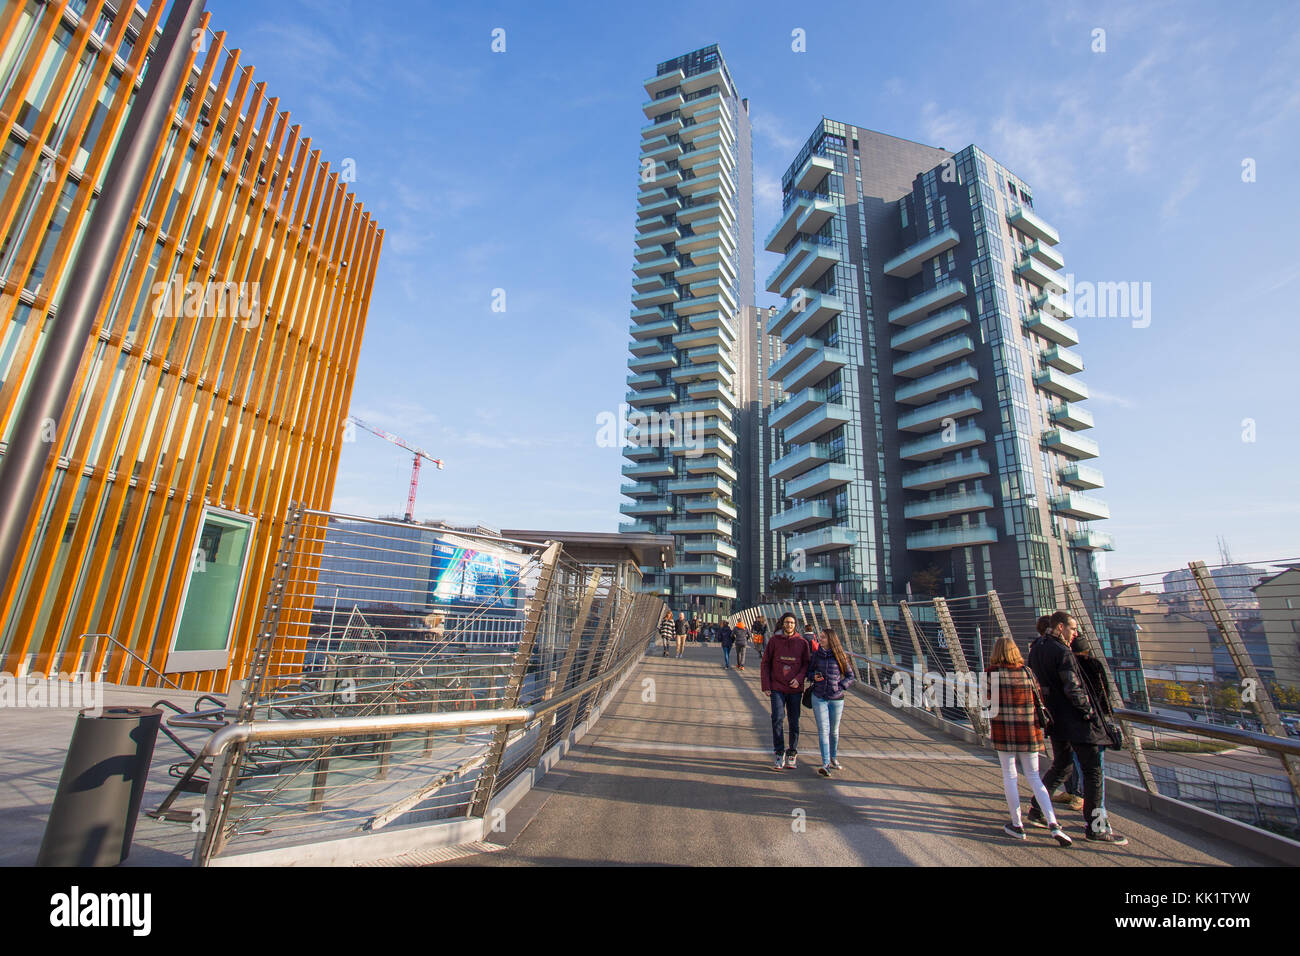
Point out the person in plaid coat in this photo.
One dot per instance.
(1017, 734)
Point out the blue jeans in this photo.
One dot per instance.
(726, 656)
(827, 714)
(785, 706)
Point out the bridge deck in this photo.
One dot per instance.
(687, 779)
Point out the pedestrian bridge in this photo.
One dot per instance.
(678, 772)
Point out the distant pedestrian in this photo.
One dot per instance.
(810, 636)
(726, 638)
(831, 673)
(742, 643)
(760, 635)
(667, 630)
(785, 664)
(680, 628)
(693, 629)
(1077, 727)
(1017, 729)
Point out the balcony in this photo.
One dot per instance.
(936, 476)
(653, 506)
(643, 380)
(712, 319)
(659, 469)
(711, 465)
(708, 233)
(792, 519)
(1058, 356)
(1072, 416)
(663, 128)
(804, 314)
(1081, 476)
(944, 539)
(804, 264)
(698, 338)
(706, 303)
(799, 461)
(817, 423)
(712, 389)
(930, 416)
(656, 267)
(719, 210)
(639, 452)
(707, 278)
(701, 567)
(824, 539)
(944, 506)
(1070, 443)
(1046, 253)
(701, 155)
(696, 373)
(813, 574)
(658, 176)
(655, 330)
(664, 81)
(700, 526)
(920, 335)
(703, 104)
(929, 358)
(702, 81)
(1039, 273)
(1058, 383)
(1092, 541)
(1051, 328)
(934, 446)
(918, 307)
(651, 363)
(660, 150)
(659, 237)
(657, 203)
(1053, 304)
(780, 235)
(824, 478)
(720, 591)
(714, 546)
(662, 104)
(657, 396)
(795, 407)
(715, 446)
(641, 489)
(908, 262)
(1080, 506)
(700, 486)
(813, 172)
(710, 505)
(636, 527)
(648, 347)
(1028, 222)
(812, 370)
(713, 353)
(799, 352)
(715, 426)
(927, 389)
(658, 296)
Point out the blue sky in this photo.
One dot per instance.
(517, 171)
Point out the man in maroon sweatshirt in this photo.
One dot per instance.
(785, 664)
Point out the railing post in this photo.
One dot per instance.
(884, 634)
(919, 660)
(604, 627)
(536, 609)
(958, 655)
(873, 672)
(1263, 701)
(1081, 616)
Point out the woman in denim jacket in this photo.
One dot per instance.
(831, 673)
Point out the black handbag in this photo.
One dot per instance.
(807, 697)
(1040, 709)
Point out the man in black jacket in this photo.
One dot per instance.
(1076, 726)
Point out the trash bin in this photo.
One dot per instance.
(92, 819)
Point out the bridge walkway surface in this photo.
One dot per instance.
(684, 776)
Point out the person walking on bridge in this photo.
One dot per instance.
(1016, 728)
(760, 635)
(726, 638)
(667, 630)
(1077, 727)
(785, 664)
(831, 673)
(680, 627)
(742, 643)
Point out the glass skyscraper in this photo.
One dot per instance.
(693, 285)
(931, 433)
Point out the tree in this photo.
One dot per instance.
(927, 580)
(782, 585)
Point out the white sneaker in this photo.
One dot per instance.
(780, 762)
(789, 761)
(835, 765)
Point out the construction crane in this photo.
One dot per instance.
(415, 466)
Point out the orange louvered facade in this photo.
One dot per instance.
(219, 376)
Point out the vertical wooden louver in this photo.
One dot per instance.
(171, 411)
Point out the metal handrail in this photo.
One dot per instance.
(231, 734)
(137, 657)
(1245, 738)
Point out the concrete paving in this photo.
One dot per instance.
(678, 772)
